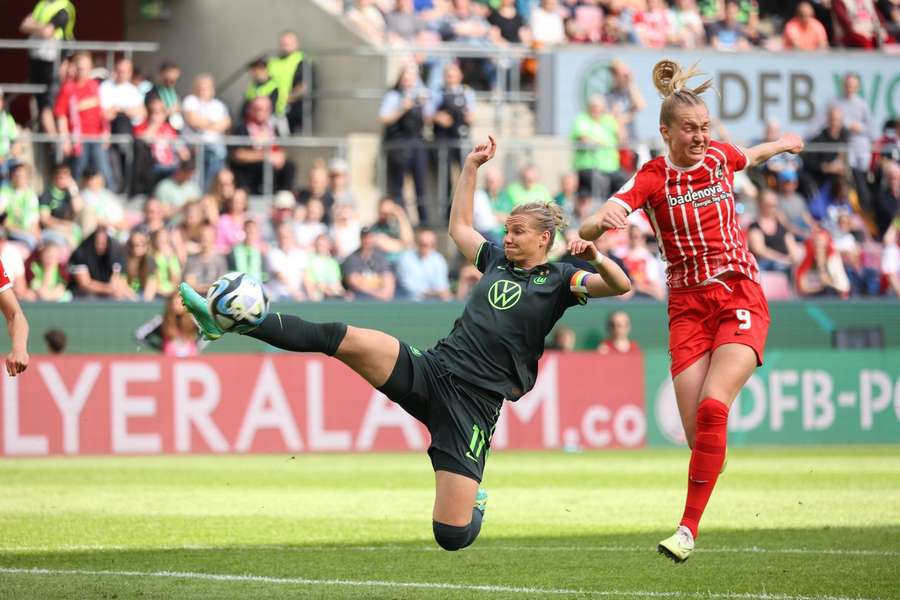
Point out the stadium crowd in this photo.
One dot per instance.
(823, 223)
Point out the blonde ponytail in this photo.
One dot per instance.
(671, 83)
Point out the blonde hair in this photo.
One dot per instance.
(549, 216)
(671, 82)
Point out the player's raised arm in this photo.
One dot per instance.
(610, 279)
(17, 359)
(789, 142)
(611, 215)
(461, 229)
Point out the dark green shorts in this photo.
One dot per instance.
(460, 417)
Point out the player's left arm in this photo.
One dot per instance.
(760, 153)
(17, 359)
(609, 280)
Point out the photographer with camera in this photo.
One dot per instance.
(453, 110)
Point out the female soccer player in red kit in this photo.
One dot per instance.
(718, 316)
(17, 359)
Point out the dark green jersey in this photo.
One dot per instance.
(498, 340)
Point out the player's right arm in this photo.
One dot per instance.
(610, 216)
(17, 359)
(636, 193)
(461, 229)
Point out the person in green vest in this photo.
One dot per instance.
(261, 84)
(20, 204)
(284, 68)
(167, 267)
(50, 22)
(247, 256)
(524, 191)
(596, 134)
(10, 149)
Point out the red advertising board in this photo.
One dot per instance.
(289, 403)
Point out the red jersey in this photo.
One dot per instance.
(692, 211)
(80, 104)
(5, 282)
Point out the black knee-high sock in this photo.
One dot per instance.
(293, 333)
(452, 537)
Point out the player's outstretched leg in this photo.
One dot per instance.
(459, 506)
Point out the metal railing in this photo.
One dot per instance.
(126, 49)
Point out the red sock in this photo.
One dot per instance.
(707, 458)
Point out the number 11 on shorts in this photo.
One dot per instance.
(743, 316)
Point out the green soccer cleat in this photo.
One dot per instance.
(679, 546)
(481, 500)
(196, 305)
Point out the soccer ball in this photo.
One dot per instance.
(237, 302)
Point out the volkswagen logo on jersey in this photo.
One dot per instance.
(504, 294)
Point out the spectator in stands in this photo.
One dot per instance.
(230, 226)
(469, 276)
(203, 268)
(165, 90)
(391, 232)
(60, 206)
(261, 85)
(403, 114)
(159, 145)
(568, 191)
(222, 188)
(774, 245)
(485, 220)
(284, 207)
(823, 164)
(285, 68)
(625, 101)
(153, 217)
(452, 111)
(404, 24)
(859, 123)
(79, 113)
(287, 262)
(187, 235)
(890, 259)
(345, 231)
(643, 267)
(19, 204)
(55, 340)
(562, 339)
(687, 26)
(526, 189)
(547, 24)
(10, 149)
(317, 189)
(96, 268)
(104, 206)
(770, 169)
(123, 107)
(821, 273)
(804, 31)
(167, 267)
(139, 266)
(597, 133)
(887, 201)
(311, 225)
(178, 331)
(323, 272)
(508, 24)
(463, 25)
(367, 19)
(248, 162)
(890, 10)
(11, 258)
(585, 25)
(887, 147)
(207, 117)
(367, 273)
(181, 187)
(51, 21)
(618, 332)
(614, 30)
(654, 25)
(339, 183)
(249, 255)
(46, 275)
(847, 241)
(728, 35)
(422, 272)
(858, 24)
(793, 205)
(582, 207)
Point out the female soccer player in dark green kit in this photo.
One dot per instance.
(456, 389)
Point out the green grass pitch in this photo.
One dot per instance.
(784, 524)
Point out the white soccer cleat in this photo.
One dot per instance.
(679, 546)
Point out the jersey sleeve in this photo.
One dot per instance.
(487, 256)
(5, 281)
(737, 159)
(636, 192)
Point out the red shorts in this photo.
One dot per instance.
(732, 311)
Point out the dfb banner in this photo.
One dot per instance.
(797, 397)
(100, 405)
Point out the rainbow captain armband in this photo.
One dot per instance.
(577, 285)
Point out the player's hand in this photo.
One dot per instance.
(792, 143)
(584, 250)
(16, 362)
(482, 152)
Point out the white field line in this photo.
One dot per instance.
(484, 547)
(302, 581)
